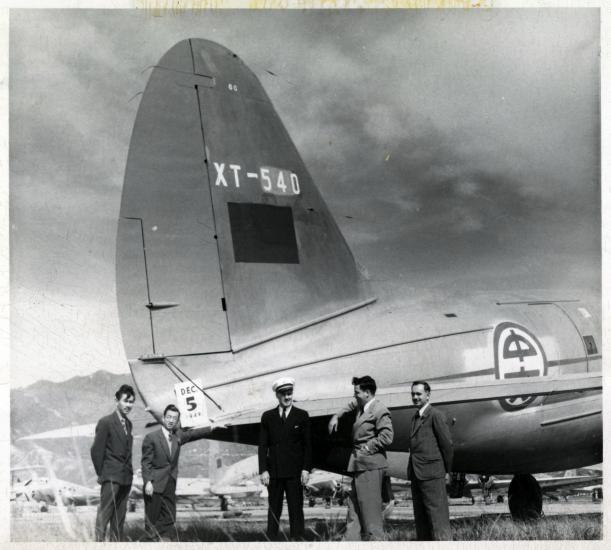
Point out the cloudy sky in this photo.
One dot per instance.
(458, 150)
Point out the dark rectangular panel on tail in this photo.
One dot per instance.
(262, 233)
(275, 282)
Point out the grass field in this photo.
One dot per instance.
(500, 527)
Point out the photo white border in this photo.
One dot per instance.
(169, 5)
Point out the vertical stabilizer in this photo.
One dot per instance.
(224, 242)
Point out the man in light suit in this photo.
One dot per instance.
(285, 458)
(160, 454)
(111, 454)
(372, 432)
(429, 467)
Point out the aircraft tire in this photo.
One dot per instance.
(525, 498)
(224, 504)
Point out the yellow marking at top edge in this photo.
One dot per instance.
(158, 8)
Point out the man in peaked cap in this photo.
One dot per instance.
(285, 458)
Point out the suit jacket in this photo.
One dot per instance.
(111, 452)
(430, 447)
(285, 449)
(372, 432)
(158, 463)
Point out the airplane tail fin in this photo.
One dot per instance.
(224, 241)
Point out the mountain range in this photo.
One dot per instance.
(46, 405)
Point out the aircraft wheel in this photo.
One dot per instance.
(224, 504)
(311, 503)
(500, 499)
(525, 498)
(131, 505)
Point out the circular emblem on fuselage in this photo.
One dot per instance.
(517, 354)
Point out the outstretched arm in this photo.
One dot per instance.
(192, 434)
(334, 421)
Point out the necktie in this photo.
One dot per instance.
(170, 440)
(123, 424)
(283, 414)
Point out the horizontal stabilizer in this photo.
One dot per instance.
(399, 397)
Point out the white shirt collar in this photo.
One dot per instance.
(121, 417)
(368, 404)
(288, 410)
(166, 433)
(421, 411)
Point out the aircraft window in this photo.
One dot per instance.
(450, 314)
(590, 344)
(262, 233)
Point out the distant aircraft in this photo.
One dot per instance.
(327, 486)
(551, 485)
(82, 430)
(190, 491)
(48, 490)
(238, 480)
(231, 272)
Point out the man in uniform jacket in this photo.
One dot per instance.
(160, 454)
(111, 454)
(372, 432)
(285, 458)
(430, 463)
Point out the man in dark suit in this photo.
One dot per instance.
(285, 458)
(160, 454)
(111, 454)
(429, 467)
(372, 432)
